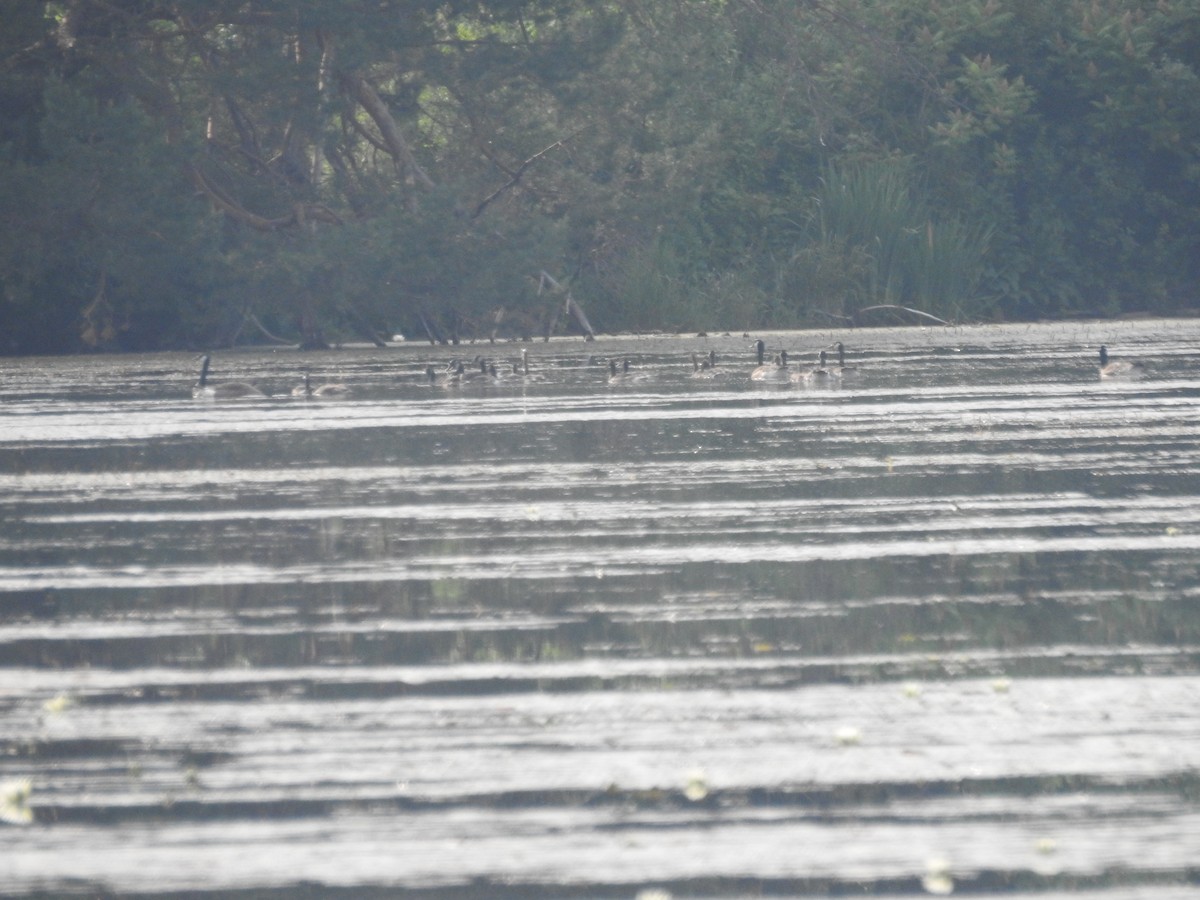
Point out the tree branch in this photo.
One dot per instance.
(571, 306)
(893, 308)
(516, 176)
(301, 212)
(402, 155)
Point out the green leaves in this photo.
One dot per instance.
(913, 256)
(187, 162)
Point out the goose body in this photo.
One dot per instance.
(843, 370)
(776, 371)
(485, 374)
(704, 368)
(761, 370)
(822, 373)
(818, 375)
(222, 390)
(452, 377)
(1119, 368)
(333, 390)
(307, 391)
(618, 374)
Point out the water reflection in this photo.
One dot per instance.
(520, 615)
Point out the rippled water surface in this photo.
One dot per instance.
(934, 627)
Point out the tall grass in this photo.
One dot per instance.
(876, 216)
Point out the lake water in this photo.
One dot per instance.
(934, 628)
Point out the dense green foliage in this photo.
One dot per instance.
(202, 171)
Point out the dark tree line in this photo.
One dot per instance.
(204, 172)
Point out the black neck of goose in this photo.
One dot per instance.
(1103, 356)
(204, 372)
(762, 350)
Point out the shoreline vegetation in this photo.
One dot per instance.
(272, 172)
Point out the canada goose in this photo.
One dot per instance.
(458, 373)
(450, 378)
(702, 369)
(485, 374)
(706, 366)
(820, 374)
(307, 391)
(222, 390)
(777, 371)
(456, 366)
(521, 372)
(618, 374)
(512, 371)
(704, 363)
(1119, 368)
(759, 371)
(843, 370)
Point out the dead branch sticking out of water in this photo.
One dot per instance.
(270, 336)
(498, 315)
(571, 307)
(853, 320)
(894, 308)
(837, 317)
(431, 330)
(363, 325)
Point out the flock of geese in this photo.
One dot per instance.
(457, 372)
(821, 373)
